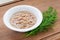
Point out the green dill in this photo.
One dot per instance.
(49, 17)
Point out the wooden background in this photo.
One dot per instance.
(52, 34)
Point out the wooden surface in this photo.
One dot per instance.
(53, 37)
(7, 34)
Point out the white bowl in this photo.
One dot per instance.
(11, 11)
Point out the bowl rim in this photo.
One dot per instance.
(22, 30)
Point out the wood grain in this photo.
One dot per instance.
(7, 34)
(53, 37)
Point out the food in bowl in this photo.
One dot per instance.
(23, 19)
(14, 10)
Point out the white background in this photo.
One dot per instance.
(5, 1)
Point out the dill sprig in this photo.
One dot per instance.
(49, 16)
